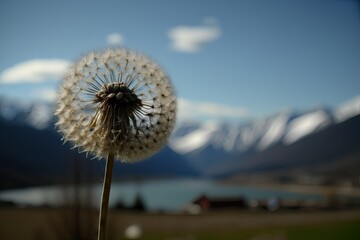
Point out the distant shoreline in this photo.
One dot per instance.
(299, 188)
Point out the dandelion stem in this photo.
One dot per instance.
(105, 197)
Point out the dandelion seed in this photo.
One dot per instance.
(114, 97)
(115, 104)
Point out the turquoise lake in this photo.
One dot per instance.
(158, 195)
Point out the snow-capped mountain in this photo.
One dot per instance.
(219, 148)
(215, 148)
(38, 115)
(286, 128)
(259, 135)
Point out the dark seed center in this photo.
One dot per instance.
(117, 111)
(117, 93)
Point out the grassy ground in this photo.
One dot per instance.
(62, 224)
(336, 231)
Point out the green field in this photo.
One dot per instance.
(349, 230)
(65, 224)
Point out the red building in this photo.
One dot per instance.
(220, 203)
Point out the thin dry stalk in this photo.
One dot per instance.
(105, 197)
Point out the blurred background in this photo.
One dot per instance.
(267, 142)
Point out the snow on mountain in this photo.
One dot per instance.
(195, 139)
(274, 131)
(248, 135)
(40, 116)
(36, 114)
(347, 110)
(10, 108)
(285, 128)
(231, 138)
(188, 137)
(306, 124)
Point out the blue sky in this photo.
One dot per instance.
(227, 59)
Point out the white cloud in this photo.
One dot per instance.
(114, 39)
(34, 71)
(191, 39)
(200, 110)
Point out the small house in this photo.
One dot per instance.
(207, 203)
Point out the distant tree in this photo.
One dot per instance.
(120, 205)
(139, 203)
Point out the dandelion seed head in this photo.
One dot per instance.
(116, 101)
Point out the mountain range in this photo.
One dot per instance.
(321, 140)
(218, 149)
